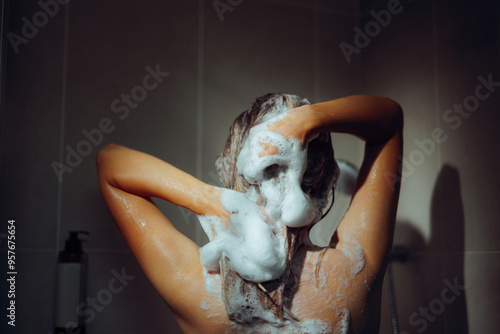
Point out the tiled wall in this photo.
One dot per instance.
(429, 58)
(66, 79)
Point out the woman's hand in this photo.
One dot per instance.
(242, 210)
(267, 153)
(227, 207)
(265, 145)
(277, 144)
(299, 124)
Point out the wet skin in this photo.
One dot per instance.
(128, 179)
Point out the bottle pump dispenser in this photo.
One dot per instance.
(71, 286)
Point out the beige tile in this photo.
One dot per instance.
(336, 77)
(398, 63)
(483, 294)
(346, 7)
(459, 308)
(418, 282)
(112, 57)
(31, 129)
(34, 292)
(448, 210)
(467, 49)
(136, 309)
(244, 60)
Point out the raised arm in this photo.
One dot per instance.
(128, 179)
(379, 122)
(146, 176)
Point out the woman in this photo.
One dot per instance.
(300, 288)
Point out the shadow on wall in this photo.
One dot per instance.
(429, 286)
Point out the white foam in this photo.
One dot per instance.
(254, 246)
(331, 284)
(355, 253)
(212, 283)
(211, 303)
(343, 324)
(279, 175)
(311, 326)
(255, 242)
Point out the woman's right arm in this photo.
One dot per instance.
(146, 176)
(128, 179)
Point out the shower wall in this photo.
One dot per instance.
(168, 77)
(163, 77)
(440, 61)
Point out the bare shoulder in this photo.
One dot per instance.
(199, 308)
(333, 288)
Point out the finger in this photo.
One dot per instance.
(268, 148)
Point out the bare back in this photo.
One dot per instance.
(339, 287)
(331, 289)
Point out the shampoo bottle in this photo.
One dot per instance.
(71, 286)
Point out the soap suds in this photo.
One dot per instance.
(255, 243)
(333, 283)
(213, 287)
(355, 253)
(212, 283)
(343, 324)
(279, 175)
(311, 326)
(255, 247)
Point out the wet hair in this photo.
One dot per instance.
(318, 182)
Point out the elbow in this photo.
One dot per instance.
(105, 160)
(398, 117)
(104, 154)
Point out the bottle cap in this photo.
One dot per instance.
(73, 248)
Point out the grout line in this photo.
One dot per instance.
(3, 58)
(481, 252)
(128, 251)
(86, 250)
(359, 72)
(199, 106)
(109, 250)
(436, 76)
(63, 120)
(438, 148)
(316, 53)
(443, 253)
(323, 9)
(3, 75)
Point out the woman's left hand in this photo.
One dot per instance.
(298, 124)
